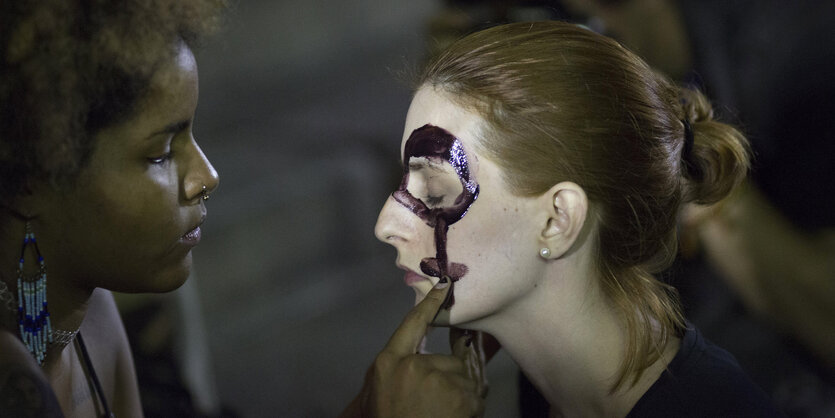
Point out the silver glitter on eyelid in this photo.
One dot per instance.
(458, 159)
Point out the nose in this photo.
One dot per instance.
(394, 224)
(199, 173)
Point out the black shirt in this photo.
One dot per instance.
(703, 380)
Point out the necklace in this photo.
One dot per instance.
(60, 337)
(92, 376)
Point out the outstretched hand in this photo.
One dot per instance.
(403, 383)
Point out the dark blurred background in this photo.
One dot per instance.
(301, 111)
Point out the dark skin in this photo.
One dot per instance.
(24, 390)
(121, 225)
(61, 384)
(404, 383)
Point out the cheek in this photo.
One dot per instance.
(139, 203)
(485, 244)
(494, 245)
(125, 213)
(135, 231)
(491, 229)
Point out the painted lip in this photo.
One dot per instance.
(411, 278)
(192, 237)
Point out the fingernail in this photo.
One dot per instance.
(448, 301)
(443, 283)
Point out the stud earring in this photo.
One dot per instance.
(545, 252)
(204, 193)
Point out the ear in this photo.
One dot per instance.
(566, 207)
(28, 204)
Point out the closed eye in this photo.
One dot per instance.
(162, 159)
(433, 201)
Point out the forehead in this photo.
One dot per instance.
(175, 83)
(433, 107)
(171, 97)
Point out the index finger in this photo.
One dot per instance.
(407, 336)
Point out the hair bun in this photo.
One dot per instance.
(718, 159)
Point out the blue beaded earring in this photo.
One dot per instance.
(32, 312)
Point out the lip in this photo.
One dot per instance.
(192, 237)
(411, 278)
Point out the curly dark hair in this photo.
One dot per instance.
(69, 68)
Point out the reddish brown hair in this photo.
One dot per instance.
(564, 103)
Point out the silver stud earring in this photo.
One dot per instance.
(204, 193)
(545, 252)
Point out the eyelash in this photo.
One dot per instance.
(162, 159)
(434, 200)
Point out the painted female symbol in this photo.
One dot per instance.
(437, 187)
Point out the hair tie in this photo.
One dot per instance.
(687, 150)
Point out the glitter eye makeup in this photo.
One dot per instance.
(437, 187)
(435, 183)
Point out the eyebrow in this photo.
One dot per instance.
(172, 128)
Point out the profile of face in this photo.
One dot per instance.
(454, 215)
(131, 219)
(438, 189)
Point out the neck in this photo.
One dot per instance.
(67, 304)
(570, 347)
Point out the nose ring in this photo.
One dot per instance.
(204, 193)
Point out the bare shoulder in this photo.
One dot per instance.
(24, 390)
(106, 341)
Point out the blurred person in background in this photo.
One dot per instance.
(759, 270)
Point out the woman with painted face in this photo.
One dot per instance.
(544, 170)
(103, 187)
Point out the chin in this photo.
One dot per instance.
(169, 284)
(443, 317)
(163, 280)
(172, 279)
(421, 288)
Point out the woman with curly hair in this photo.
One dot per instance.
(544, 167)
(103, 188)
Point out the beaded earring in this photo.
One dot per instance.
(32, 311)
